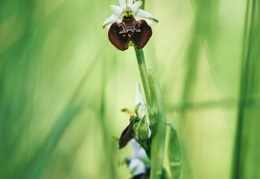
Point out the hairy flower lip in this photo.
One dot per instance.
(125, 5)
(135, 33)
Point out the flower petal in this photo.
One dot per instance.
(139, 99)
(118, 10)
(120, 41)
(122, 3)
(136, 5)
(129, 2)
(141, 38)
(138, 151)
(141, 108)
(136, 166)
(149, 18)
(107, 23)
(127, 134)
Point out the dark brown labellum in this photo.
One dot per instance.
(127, 134)
(137, 32)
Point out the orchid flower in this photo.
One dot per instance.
(129, 25)
(138, 164)
(138, 127)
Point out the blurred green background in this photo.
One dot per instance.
(62, 85)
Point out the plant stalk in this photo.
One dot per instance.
(144, 75)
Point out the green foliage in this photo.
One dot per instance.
(158, 143)
(174, 152)
(246, 140)
(62, 85)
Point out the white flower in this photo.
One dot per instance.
(129, 9)
(138, 151)
(136, 164)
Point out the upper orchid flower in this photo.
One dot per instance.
(129, 25)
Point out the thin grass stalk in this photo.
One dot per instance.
(104, 126)
(237, 162)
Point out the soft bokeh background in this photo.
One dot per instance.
(62, 85)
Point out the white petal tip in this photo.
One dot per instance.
(149, 18)
(107, 23)
(139, 99)
(117, 9)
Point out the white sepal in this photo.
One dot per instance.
(141, 110)
(118, 10)
(122, 3)
(134, 7)
(129, 2)
(149, 18)
(107, 23)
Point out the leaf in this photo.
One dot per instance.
(158, 141)
(174, 152)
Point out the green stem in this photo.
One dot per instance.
(151, 88)
(144, 75)
(157, 146)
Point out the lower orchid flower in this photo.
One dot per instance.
(139, 163)
(138, 127)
